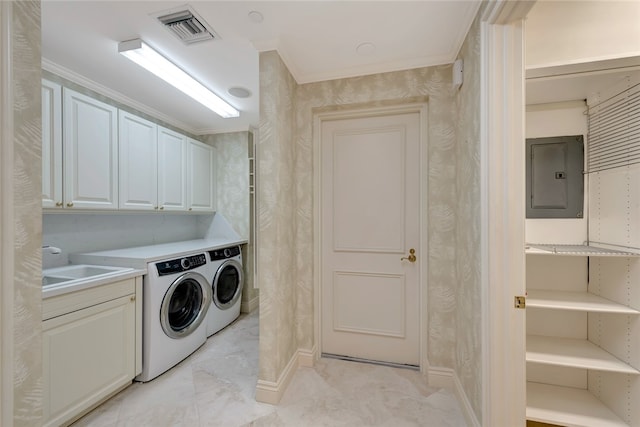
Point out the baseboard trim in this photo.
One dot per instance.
(467, 409)
(251, 305)
(440, 377)
(271, 392)
(448, 378)
(307, 358)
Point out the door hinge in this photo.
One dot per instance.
(520, 302)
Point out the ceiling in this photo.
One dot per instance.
(579, 81)
(318, 40)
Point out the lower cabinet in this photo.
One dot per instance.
(90, 353)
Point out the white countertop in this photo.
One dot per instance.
(89, 282)
(139, 256)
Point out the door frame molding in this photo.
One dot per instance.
(502, 216)
(7, 226)
(359, 111)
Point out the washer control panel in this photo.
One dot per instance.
(179, 265)
(224, 253)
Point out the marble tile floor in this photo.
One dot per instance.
(215, 386)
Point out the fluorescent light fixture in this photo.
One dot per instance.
(140, 53)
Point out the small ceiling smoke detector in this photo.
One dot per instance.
(239, 92)
(255, 17)
(186, 24)
(366, 48)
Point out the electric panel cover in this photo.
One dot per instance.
(555, 183)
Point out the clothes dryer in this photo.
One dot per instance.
(176, 300)
(227, 281)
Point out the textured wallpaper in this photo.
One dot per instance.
(275, 219)
(27, 123)
(232, 175)
(468, 361)
(286, 202)
(401, 86)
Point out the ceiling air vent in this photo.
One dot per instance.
(187, 25)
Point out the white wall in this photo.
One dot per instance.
(84, 232)
(569, 32)
(232, 178)
(558, 119)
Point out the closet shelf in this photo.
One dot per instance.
(568, 406)
(575, 250)
(574, 353)
(576, 301)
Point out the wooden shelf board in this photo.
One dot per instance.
(575, 353)
(577, 301)
(568, 406)
(575, 250)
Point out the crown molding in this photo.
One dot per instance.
(81, 80)
(302, 77)
(379, 68)
(208, 131)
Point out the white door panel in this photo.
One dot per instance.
(51, 145)
(138, 151)
(200, 176)
(370, 220)
(90, 148)
(172, 170)
(368, 190)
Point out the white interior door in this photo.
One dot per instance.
(370, 220)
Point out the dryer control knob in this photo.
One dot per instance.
(227, 253)
(185, 263)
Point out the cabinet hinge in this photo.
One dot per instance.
(520, 302)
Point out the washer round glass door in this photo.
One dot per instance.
(185, 305)
(227, 284)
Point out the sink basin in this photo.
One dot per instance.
(50, 280)
(78, 273)
(82, 271)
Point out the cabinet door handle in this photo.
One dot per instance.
(133, 298)
(70, 204)
(190, 209)
(58, 204)
(161, 208)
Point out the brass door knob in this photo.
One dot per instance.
(411, 257)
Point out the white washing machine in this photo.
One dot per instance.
(227, 280)
(176, 300)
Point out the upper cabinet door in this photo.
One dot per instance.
(51, 145)
(90, 141)
(201, 176)
(172, 170)
(138, 154)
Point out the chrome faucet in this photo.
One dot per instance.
(46, 249)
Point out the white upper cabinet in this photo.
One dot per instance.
(201, 160)
(95, 156)
(138, 153)
(172, 170)
(90, 143)
(51, 145)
